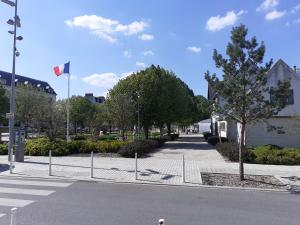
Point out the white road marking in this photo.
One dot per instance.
(2, 214)
(34, 183)
(25, 191)
(11, 202)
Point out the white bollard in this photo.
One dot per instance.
(50, 163)
(136, 167)
(92, 164)
(11, 162)
(183, 169)
(161, 222)
(13, 216)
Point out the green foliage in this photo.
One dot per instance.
(161, 96)
(4, 103)
(141, 147)
(230, 150)
(206, 135)
(108, 137)
(265, 154)
(41, 147)
(269, 154)
(241, 95)
(3, 149)
(213, 140)
(81, 110)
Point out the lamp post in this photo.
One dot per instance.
(16, 23)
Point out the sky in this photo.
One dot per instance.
(107, 40)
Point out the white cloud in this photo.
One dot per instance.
(103, 80)
(127, 54)
(106, 28)
(194, 49)
(273, 15)
(140, 64)
(146, 37)
(148, 53)
(217, 23)
(268, 5)
(295, 9)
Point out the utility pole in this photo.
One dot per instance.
(16, 23)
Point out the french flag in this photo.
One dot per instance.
(64, 68)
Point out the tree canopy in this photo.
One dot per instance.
(243, 93)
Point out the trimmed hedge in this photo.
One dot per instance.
(270, 154)
(206, 135)
(41, 147)
(142, 147)
(213, 140)
(265, 154)
(230, 150)
(3, 149)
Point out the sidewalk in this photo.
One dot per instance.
(163, 167)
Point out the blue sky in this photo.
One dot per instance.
(105, 40)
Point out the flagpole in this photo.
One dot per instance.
(68, 110)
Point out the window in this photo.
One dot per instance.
(289, 100)
(2, 81)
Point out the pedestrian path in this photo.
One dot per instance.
(21, 192)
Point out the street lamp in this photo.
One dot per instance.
(16, 22)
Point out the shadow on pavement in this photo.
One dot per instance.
(4, 167)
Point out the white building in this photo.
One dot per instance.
(288, 119)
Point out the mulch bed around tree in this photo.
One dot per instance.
(251, 181)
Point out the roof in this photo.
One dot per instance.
(27, 80)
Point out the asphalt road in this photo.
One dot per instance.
(86, 203)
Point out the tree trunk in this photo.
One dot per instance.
(123, 134)
(161, 131)
(169, 128)
(241, 152)
(146, 132)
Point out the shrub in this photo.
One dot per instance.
(155, 134)
(230, 150)
(270, 154)
(108, 137)
(3, 149)
(213, 140)
(42, 146)
(206, 135)
(142, 147)
(79, 137)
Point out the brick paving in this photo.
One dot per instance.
(163, 167)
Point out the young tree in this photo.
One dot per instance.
(4, 103)
(121, 109)
(244, 95)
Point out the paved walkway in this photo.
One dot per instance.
(164, 166)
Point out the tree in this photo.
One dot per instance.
(243, 94)
(4, 103)
(121, 109)
(81, 110)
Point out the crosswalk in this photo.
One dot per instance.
(21, 192)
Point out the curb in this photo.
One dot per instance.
(99, 180)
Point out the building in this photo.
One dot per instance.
(41, 86)
(95, 100)
(288, 119)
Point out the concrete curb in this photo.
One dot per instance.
(99, 180)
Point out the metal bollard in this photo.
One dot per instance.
(136, 165)
(92, 164)
(183, 169)
(11, 162)
(13, 216)
(50, 163)
(161, 222)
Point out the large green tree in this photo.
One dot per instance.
(160, 96)
(81, 110)
(243, 93)
(4, 103)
